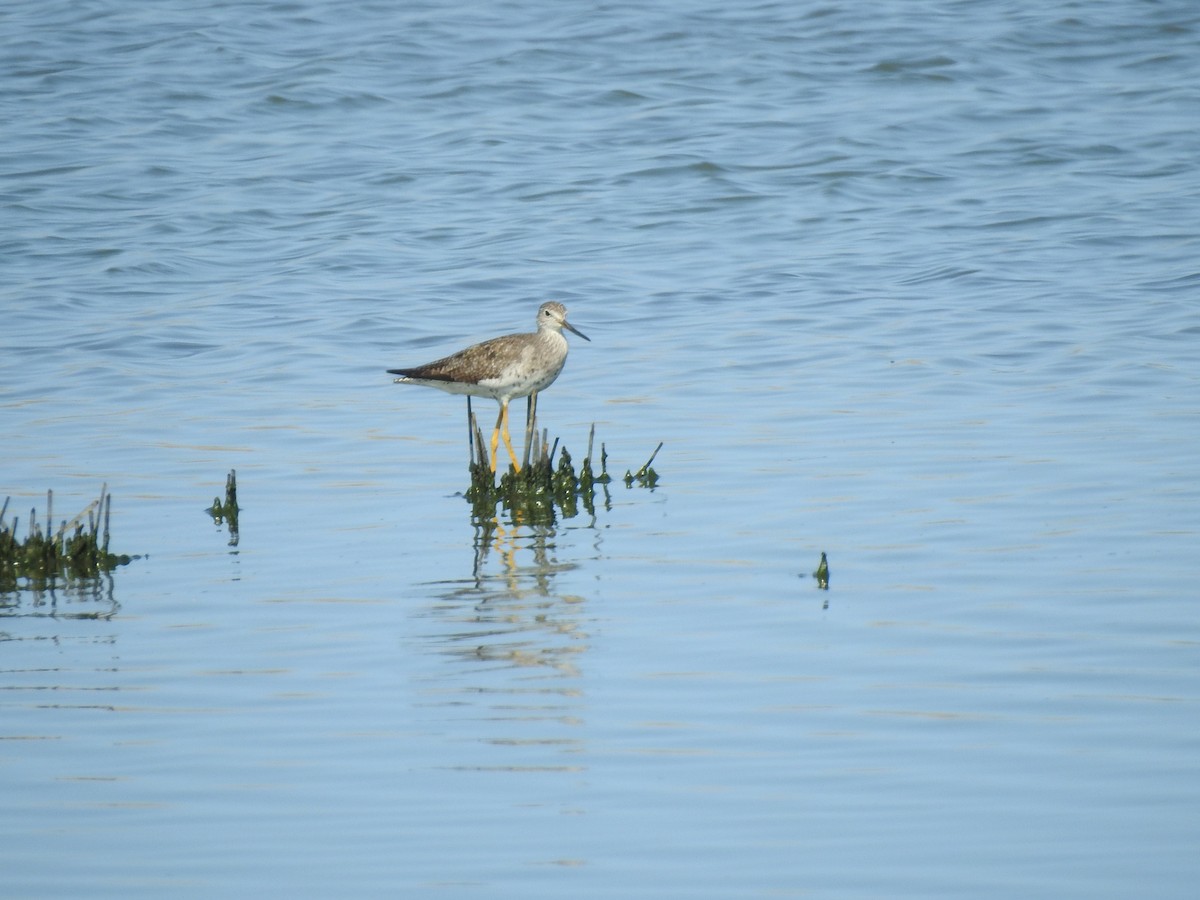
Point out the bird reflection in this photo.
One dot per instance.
(516, 642)
(511, 611)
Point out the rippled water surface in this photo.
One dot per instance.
(915, 286)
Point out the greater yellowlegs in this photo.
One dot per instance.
(516, 365)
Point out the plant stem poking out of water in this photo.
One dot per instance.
(645, 476)
(74, 552)
(228, 511)
(547, 479)
(822, 573)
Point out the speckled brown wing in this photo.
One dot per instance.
(472, 365)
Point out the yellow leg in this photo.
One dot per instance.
(496, 435)
(508, 440)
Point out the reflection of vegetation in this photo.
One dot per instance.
(77, 551)
(520, 639)
(90, 598)
(514, 616)
(227, 511)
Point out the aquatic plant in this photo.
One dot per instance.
(227, 511)
(822, 573)
(547, 480)
(76, 551)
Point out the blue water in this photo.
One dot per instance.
(915, 285)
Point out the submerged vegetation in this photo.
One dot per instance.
(76, 551)
(227, 512)
(822, 573)
(546, 480)
(645, 476)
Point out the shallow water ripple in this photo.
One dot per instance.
(916, 289)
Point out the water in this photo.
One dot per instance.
(916, 288)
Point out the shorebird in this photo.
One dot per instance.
(504, 368)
